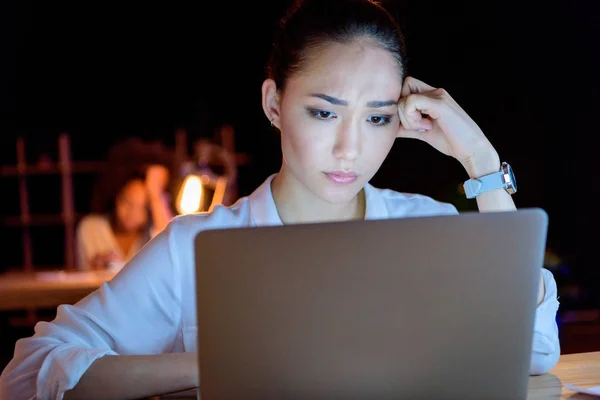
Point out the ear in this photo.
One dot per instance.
(271, 102)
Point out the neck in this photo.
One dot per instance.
(296, 204)
(119, 231)
(127, 234)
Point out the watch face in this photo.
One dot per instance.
(509, 179)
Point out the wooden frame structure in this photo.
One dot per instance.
(66, 168)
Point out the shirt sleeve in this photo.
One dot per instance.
(137, 312)
(546, 345)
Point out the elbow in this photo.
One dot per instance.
(19, 378)
(5, 389)
(542, 363)
(540, 368)
(16, 388)
(44, 369)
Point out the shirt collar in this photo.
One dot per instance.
(262, 205)
(264, 212)
(375, 206)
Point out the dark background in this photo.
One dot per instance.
(523, 71)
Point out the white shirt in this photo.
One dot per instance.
(149, 306)
(95, 236)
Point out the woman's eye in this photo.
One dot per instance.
(321, 114)
(379, 120)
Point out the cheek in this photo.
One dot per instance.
(377, 146)
(120, 210)
(304, 140)
(143, 217)
(299, 144)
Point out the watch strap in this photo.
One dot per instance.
(474, 187)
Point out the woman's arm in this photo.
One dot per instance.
(494, 200)
(137, 313)
(482, 164)
(160, 211)
(157, 177)
(132, 377)
(546, 346)
(432, 115)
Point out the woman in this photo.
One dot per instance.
(130, 206)
(337, 92)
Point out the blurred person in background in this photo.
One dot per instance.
(130, 205)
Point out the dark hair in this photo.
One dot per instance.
(310, 24)
(127, 161)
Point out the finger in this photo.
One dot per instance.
(417, 104)
(412, 85)
(410, 113)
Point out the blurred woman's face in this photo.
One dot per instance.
(131, 206)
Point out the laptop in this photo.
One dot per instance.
(416, 308)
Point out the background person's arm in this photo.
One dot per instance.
(157, 178)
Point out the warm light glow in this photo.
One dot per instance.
(188, 201)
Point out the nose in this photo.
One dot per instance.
(347, 143)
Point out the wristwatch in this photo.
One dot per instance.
(503, 179)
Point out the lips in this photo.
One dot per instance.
(341, 177)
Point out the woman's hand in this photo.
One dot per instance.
(157, 178)
(103, 260)
(445, 126)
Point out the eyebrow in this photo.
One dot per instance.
(339, 102)
(380, 104)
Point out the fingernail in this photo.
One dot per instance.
(422, 130)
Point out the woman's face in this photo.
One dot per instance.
(338, 118)
(131, 206)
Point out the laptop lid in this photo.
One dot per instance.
(419, 308)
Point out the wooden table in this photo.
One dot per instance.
(20, 291)
(581, 370)
(38, 290)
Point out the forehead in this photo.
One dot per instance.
(353, 72)
(133, 189)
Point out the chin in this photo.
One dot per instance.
(131, 228)
(339, 194)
